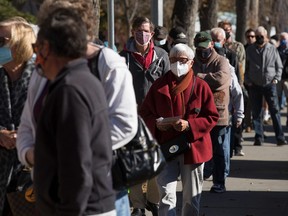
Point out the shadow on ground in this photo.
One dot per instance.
(250, 169)
(241, 203)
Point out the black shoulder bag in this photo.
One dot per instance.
(140, 159)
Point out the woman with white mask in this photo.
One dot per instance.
(181, 104)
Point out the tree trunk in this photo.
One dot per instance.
(130, 13)
(242, 7)
(264, 15)
(208, 14)
(192, 23)
(184, 15)
(97, 5)
(279, 15)
(253, 11)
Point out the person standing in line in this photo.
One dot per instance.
(236, 104)
(237, 47)
(214, 69)
(250, 39)
(264, 70)
(282, 87)
(147, 63)
(115, 78)
(160, 37)
(17, 64)
(73, 150)
(180, 93)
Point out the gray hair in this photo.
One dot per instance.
(218, 31)
(181, 49)
(261, 30)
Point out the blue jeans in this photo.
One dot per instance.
(122, 205)
(269, 92)
(219, 165)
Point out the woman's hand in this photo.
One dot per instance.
(8, 139)
(163, 127)
(181, 125)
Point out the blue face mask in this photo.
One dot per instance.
(283, 42)
(5, 55)
(218, 45)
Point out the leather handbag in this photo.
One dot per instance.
(175, 147)
(20, 193)
(139, 160)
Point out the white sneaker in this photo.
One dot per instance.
(240, 153)
(266, 116)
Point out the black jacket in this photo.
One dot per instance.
(143, 79)
(73, 151)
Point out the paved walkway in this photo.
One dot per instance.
(258, 182)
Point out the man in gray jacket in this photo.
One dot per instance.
(263, 72)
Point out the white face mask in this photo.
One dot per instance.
(160, 43)
(179, 69)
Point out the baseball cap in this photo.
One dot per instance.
(178, 34)
(202, 39)
(160, 33)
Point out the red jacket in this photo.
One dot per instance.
(201, 114)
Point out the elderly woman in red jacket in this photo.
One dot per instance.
(189, 100)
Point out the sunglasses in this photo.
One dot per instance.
(250, 36)
(3, 41)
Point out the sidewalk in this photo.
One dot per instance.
(257, 184)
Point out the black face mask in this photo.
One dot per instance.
(259, 40)
(203, 53)
(220, 50)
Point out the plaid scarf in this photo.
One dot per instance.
(13, 96)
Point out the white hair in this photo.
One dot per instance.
(261, 30)
(218, 31)
(181, 49)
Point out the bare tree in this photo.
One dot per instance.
(279, 15)
(265, 14)
(184, 14)
(208, 14)
(253, 11)
(241, 10)
(97, 5)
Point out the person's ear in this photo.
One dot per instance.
(212, 44)
(45, 48)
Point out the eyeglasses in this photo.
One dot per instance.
(3, 41)
(182, 60)
(250, 36)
